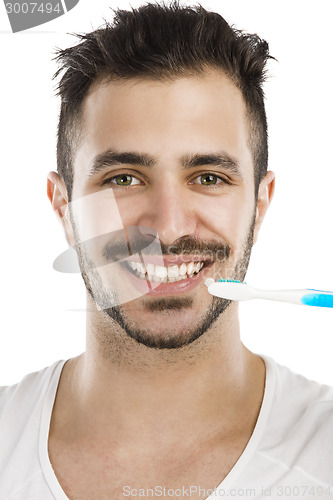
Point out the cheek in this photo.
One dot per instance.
(228, 217)
(96, 214)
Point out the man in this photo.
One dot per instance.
(162, 182)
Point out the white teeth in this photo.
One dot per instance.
(190, 268)
(162, 274)
(198, 266)
(182, 269)
(133, 265)
(150, 269)
(173, 272)
(140, 268)
(157, 279)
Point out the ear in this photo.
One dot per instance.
(57, 194)
(265, 195)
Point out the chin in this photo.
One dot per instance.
(166, 325)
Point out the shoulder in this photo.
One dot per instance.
(298, 394)
(297, 399)
(300, 425)
(23, 409)
(28, 391)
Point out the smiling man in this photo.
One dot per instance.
(162, 182)
(175, 154)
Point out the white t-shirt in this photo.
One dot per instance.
(289, 455)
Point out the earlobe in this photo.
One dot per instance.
(265, 195)
(57, 194)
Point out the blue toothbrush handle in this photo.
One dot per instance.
(318, 298)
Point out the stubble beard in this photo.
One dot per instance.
(166, 339)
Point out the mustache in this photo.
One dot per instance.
(118, 245)
(133, 240)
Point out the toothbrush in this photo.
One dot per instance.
(236, 290)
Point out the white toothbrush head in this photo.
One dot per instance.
(230, 289)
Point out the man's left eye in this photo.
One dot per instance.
(209, 179)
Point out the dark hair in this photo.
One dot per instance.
(161, 41)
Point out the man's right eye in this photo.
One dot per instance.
(122, 180)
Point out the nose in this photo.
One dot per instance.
(168, 210)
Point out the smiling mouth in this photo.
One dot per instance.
(166, 274)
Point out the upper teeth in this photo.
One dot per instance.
(170, 273)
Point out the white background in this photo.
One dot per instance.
(296, 243)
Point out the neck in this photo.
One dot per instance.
(210, 384)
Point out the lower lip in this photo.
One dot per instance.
(177, 287)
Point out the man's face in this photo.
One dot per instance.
(173, 157)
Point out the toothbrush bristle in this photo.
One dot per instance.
(222, 280)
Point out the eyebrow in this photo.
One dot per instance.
(219, 160)
(111, 158)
